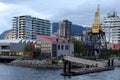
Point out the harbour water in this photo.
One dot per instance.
(25, 73)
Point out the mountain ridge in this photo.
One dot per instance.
(2, 35)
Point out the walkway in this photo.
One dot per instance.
(84, 61)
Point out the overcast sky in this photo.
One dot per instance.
(80, 12)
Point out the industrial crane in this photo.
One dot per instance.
(96, 37)
(96, 27)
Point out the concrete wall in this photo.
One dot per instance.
(64, 52)
(17, 47)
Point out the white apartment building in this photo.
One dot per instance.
(111, 25)
(26, 27)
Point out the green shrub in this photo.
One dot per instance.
(109, 53)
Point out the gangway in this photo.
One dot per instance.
(85, 61)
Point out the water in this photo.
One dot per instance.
(24, 73)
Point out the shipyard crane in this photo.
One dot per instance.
(96, 37)
(96, 27)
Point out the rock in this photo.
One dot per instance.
(34, 63)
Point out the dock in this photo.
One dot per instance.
(87, 71)
(91, 66)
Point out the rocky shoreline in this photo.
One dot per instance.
(44, 63)
(35, 64)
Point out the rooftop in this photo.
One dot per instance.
(15, 41)
(116, 46)
(53, 38)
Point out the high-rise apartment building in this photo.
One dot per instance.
(111, 25)
(26, 27)
(65, 28)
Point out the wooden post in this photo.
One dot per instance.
(108, 62)
(112, 62)
(69, 67)
(5, 61)
(65, 65)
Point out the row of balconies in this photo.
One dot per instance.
(111, 24)
(112, 19)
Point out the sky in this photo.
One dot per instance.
(80, 12)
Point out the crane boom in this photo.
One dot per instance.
(96, 28)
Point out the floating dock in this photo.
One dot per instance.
(86, 71)
(91, 66)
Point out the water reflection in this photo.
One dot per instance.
(24, 73)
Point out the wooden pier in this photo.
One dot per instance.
(67, 70)
(87, 71)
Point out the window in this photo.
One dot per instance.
(46, 45)
(45, 50)
(38, 42)
(54, 47)
(66, 47)
(58, 46)
(5, 47)
(62, 47)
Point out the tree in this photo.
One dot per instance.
(110, 53)
(79, 48)
(28, 49)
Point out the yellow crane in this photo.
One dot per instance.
(96, 28)
(96, 37)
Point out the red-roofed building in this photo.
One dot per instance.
(51, 46)
(113, 46)
(116, 46)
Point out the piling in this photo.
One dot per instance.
(65, 66)
(69, 66)
(112, 63)
(109, 63)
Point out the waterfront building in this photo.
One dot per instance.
(26, 27)
(13, 47)
(51, 46)
(65, 29)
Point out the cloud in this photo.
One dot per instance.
(7, 13)
(83, 14)
(14, 1)
(78, 11)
